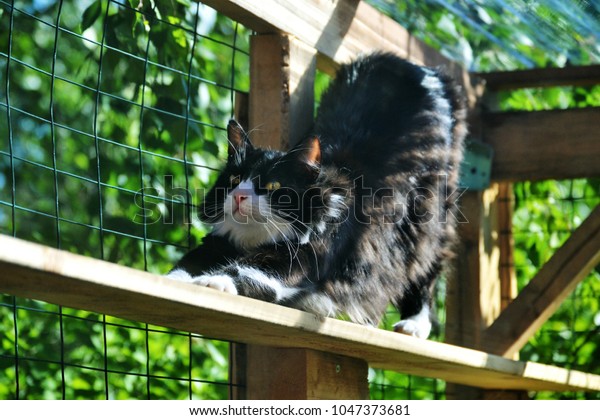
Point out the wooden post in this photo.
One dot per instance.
(38, 272)
(282, 71)
(508, 276)
(301, 374)
(282, 75)
(473, 299)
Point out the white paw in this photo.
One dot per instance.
(221, 282)
(416, 327)
(180, 275)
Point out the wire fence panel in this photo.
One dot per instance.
(546, 214)
(112, 116)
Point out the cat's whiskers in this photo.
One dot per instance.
(292, 246)
(288, 243)
(299, 234)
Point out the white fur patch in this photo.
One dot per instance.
(255, 225)
(434, 85)
(417, 325)
(336, 206)
(431, 81)
(321, 226)
(221, 282)
(282, 292)
(180, 275)
(224, 283)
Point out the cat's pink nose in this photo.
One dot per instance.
(239, 198)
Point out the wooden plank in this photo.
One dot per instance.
(300, 374)
(546, 77)
(547, 290)
(538, 145)
(463, 312)
(473, 297)
(339, 30)
(38, 272)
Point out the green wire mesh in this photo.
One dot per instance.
(111, 114)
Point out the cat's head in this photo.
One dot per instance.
(264, 196)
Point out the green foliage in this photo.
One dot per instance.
(502, 34)
(130, 89)
(546, 213)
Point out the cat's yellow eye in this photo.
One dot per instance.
(272, 186)
(235, 180)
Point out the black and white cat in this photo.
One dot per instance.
(357, 216)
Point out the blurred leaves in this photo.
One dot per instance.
(503, 35)
(136, 90)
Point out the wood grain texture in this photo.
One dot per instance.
(547, 290)
(38, 272)
(300, 374)
(338, 29)
(537, 145)
(546, 77)
(508, 275)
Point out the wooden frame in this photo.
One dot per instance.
(39, 272)
(539, 145)
(338, 30)
(547, 77)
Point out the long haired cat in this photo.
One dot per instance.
(358, 215)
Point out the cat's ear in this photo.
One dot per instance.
(238, 139)
(308, 151)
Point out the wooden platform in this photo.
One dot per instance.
(38, 272)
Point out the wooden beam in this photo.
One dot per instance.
(547, 290)
(538, 145)
(474, 292)
(546, 77)
(338, 30)
(38, 272)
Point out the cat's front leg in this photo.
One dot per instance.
(221, 282)
(241, 279)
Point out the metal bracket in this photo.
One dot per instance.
(476, 166)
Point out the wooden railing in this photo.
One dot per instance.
(43, 273)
